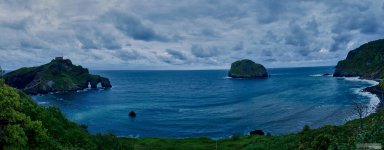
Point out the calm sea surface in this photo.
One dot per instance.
(208, 104)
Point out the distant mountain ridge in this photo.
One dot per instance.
(58, 75)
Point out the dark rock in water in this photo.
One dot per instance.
(132, 114)
(326, 74)
(365, 61)
(58, 75)
(247, 69)
(256, 132)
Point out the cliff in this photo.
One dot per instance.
(365, 61)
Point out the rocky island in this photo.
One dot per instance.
(58, 75)
(247, 69)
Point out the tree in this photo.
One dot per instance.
(322, 141)
(361, 110)
(17, 130)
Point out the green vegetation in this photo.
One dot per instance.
(58, 75)
(381, 84)
(366, 61)
(26, 125)
(247, 69)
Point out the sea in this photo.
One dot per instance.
(207, 103)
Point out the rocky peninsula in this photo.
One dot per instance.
(247, 69)
(366, 62)
(58, 75)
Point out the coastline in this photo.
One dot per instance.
(379, 93)
(375, 94)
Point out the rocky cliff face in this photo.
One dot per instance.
(367, 62)
(58, 75)
(247, 69)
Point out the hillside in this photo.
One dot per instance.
(365, 61)
(58, 75)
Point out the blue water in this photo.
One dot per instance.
(208, 104)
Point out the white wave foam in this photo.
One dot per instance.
(372, 82)
(233, 78)
(124, 136)
(321, 75)
(374, 100)
(316, 75)
(281, 74)
(41, 103)
(129, 136)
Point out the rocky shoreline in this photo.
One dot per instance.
(378, 92)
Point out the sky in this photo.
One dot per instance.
(190, 34)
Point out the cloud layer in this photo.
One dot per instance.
(197, 34)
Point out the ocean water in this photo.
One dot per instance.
(206, 103)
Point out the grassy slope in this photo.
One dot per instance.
(24, 124)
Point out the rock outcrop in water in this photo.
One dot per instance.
(366, 62)
(247, 69)
(58, 75)
(256, 132)
(132, 114)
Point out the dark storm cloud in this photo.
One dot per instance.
(312, 26)
(176, 54)
(270, 60)
(93, 37)
(366, 24)
(201, 52)
(133, 27)
(15, 25)
(239, 46)
(87, 43)
(382, 6)
(296, 36)
(30, 45)
(266, 53)
(128, 55)
(340, 42)
(207, 32)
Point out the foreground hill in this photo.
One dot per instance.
(366, 61)
(26, 125)
(58, 75)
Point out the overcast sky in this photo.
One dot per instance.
(190, 34)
